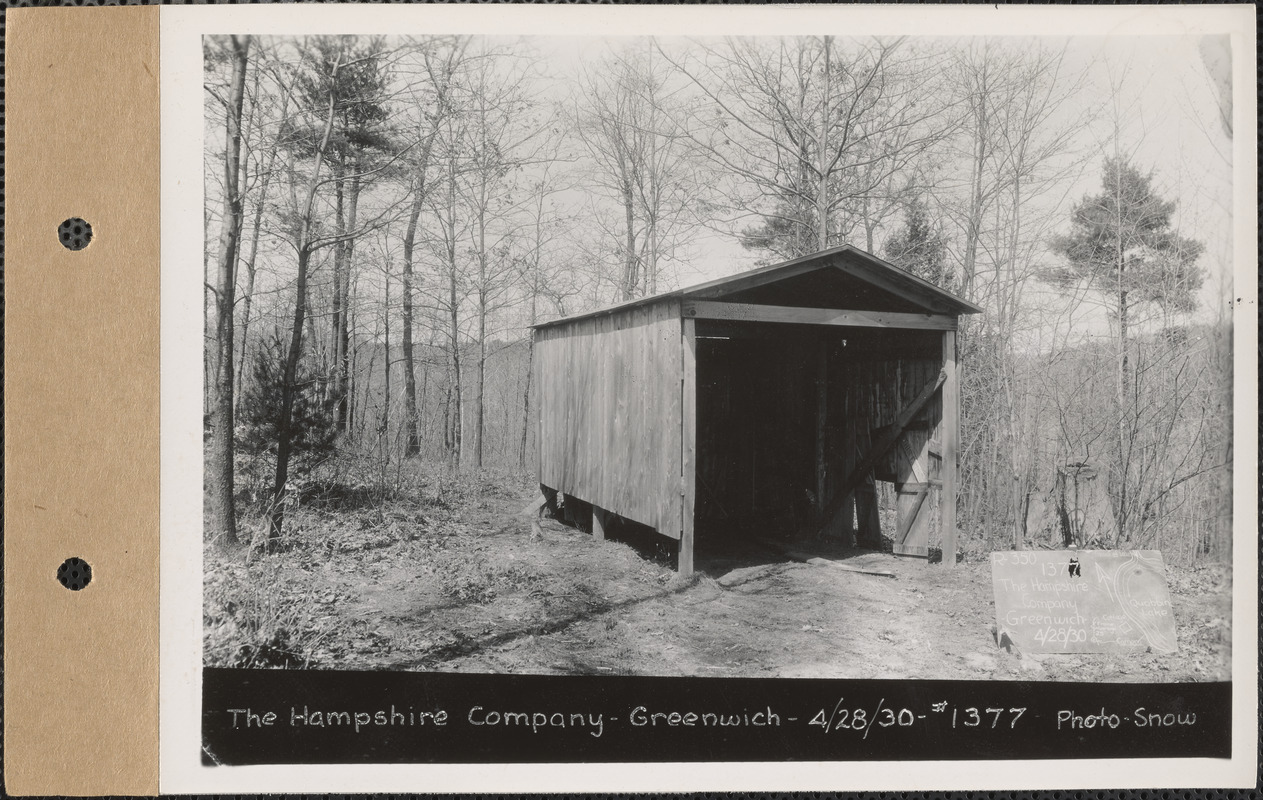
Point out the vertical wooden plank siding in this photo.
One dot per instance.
(610, 412)
(688, 443)
(950, 432)
(846, 461)
(540, 396)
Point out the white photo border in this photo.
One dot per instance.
(182, 29)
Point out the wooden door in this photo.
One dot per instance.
(916, 485)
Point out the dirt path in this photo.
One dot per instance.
(491, 598)
(810, 621)
(469, 589)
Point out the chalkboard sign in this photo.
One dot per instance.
(1089, 601)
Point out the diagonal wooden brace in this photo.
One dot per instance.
(905, 526)
(879, 448)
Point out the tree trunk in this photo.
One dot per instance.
(870, 225)
(822, 151)
(251, 262)
(284, 434)
(284, 445)
(351, 406)
(530, 365)
(480, 409)
(456, 412)
(453, 301)
(973, 229)
(423, 393)
(1124, 411)
(366, 402)
(480, 404)
(412, 438)
(1122, 489)
(1019, 451)
(222, 487)
(412, 435)
(447, 412)
(383, 426)
(329, 383)
(630, 278)
(347, 196)
(342, 351)
(314, 342)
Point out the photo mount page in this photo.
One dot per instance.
(568, 401)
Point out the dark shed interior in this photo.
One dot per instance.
(782, 413)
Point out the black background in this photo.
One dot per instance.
(1034, 736)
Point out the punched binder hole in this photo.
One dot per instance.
(74, 574)
(74, 233)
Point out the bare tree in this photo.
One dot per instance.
(503, 136)
(221, 475)
(449, 289)
(999, 186)
(626, 116)
(265, 172)
(545, 274)
(808, 127)
(440, 61)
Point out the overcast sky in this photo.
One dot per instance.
(1168, 110)
(1157, 91)
(1168, 113)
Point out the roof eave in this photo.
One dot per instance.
(965, 306)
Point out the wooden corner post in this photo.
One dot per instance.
(951, 446)
(688, 442)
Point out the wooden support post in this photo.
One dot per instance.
(599, 521)
(568, 511)
(951, 438)
(822, 417)
(688, 443)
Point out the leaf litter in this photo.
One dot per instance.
(461, 584)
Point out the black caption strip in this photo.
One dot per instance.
(326, 717)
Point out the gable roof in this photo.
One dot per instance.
(843, 277)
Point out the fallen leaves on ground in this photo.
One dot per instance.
(450, 578)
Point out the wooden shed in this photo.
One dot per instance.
(767, 402)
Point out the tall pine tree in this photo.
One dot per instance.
(1122, 247)
(355, 72)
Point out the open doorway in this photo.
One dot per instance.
(785, 413)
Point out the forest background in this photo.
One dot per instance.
(386, 216)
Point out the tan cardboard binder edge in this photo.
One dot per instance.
(81, 401)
